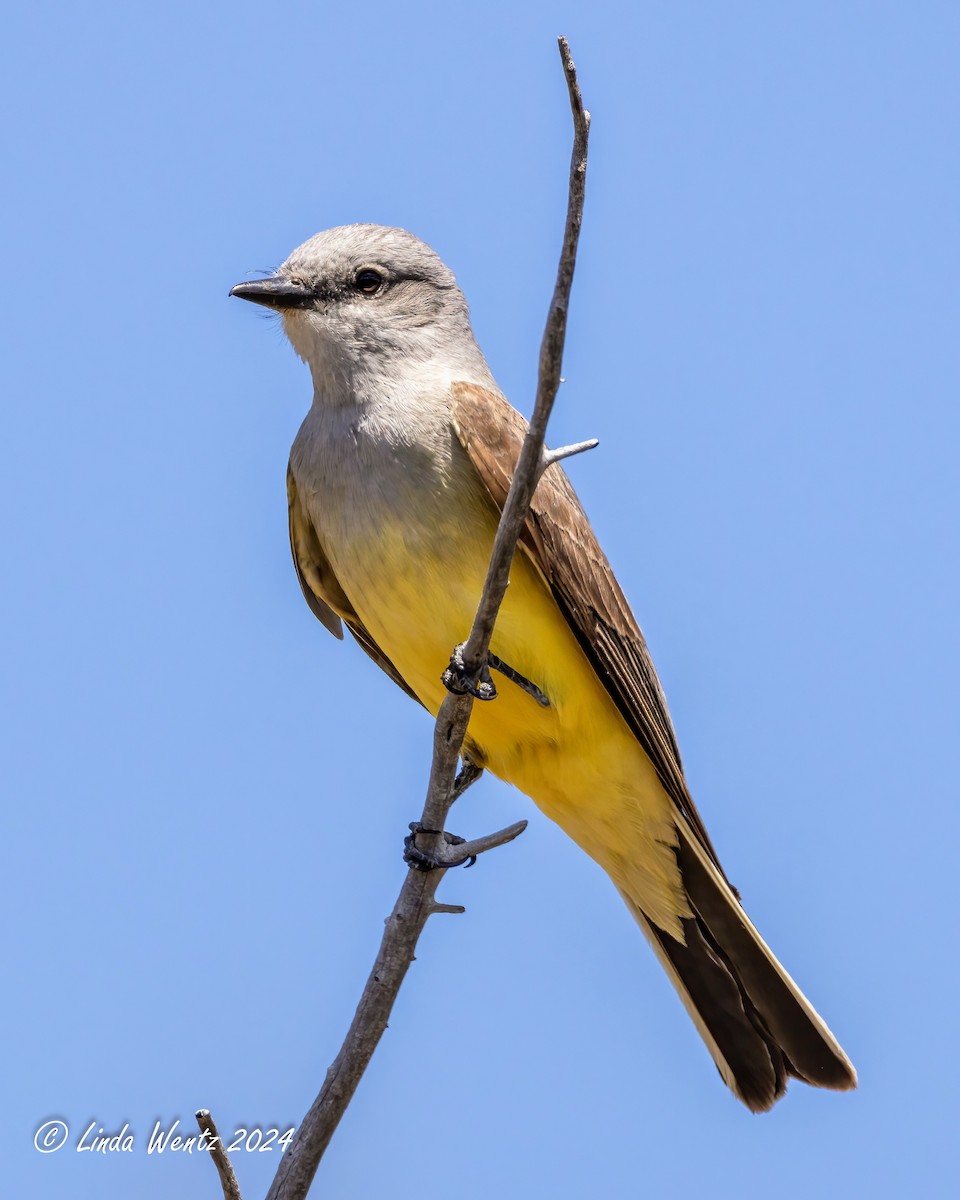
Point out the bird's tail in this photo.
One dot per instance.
(757, 1024)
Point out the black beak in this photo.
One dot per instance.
(275, 293)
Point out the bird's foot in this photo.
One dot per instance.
(520, 680)
(468, 775)
(457, 679)
(421, 861)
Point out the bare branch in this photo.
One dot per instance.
(455, 711)
(402, 929)
(416, 901)
(549, 457)
(551, 356)
(481, 845)
(221, 1159)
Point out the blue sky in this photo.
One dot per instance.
(206, 795)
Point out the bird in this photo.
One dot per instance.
(395, 484)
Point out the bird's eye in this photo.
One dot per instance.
(369, 281)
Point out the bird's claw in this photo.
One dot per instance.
(457, 679)
(421, 861)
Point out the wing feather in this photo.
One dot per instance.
(558, 538)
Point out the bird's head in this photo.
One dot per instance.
(363, 299)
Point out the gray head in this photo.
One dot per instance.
(365, 300)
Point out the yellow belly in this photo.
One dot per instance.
(577, 758)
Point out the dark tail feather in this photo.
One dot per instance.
(756, 1022)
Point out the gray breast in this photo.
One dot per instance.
(363, 470)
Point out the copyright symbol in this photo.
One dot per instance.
(50, 1136)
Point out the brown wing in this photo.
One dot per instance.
(561, 543)
(321, 588)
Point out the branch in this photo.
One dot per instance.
(416, 901)
(221, 1159)
(455, 711)
(549, 457)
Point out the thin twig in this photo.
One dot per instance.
(416, 901)
(490, 841)
(549, 457)
(455, 711)
(221, 1159)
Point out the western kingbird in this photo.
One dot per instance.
(395, 485)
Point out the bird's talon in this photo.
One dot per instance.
(421, 861)
(457, 679)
